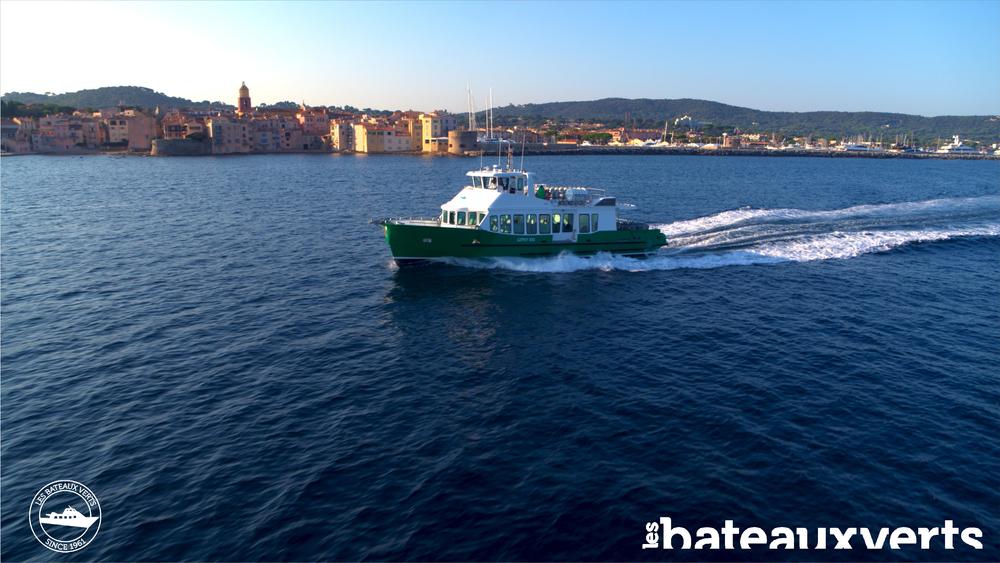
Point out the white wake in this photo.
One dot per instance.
(771, 236)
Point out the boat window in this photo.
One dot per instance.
(543, 225)
(461, 217)
(593, 221)
(493, 223)
(479, 181)
(473, 218)
(568, 223)
(493, 183)
(584, 223)
(556, 223)
(505, 224)
(519, 224)
(532, 224)
(451, 217)
(520, 184)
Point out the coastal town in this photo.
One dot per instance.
(175, 131)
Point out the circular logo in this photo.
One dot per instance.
(65, 516)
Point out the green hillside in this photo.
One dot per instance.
(651, 113)
(111, 96)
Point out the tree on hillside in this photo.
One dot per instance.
(17, 109)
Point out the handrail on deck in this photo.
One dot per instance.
(384, 220)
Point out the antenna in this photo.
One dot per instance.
(522, 151)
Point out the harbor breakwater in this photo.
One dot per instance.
(187, 147)
(578, 150)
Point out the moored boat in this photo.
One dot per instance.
(504, 212)
(956, 146)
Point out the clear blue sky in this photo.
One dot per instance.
(929, 58)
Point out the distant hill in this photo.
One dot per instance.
(111, 96)
(651, 113)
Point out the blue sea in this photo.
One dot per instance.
(223, 351)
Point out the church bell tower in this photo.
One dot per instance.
(243, 105)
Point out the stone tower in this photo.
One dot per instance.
(244, 107)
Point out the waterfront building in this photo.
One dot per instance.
(94, 133)
(117, 129)
(316, 143)
(645, 135)
(174, 130)
(413, 124)
(278, 131)
(434, 130)
(195, 125)
(529, 136)
(313, 121)
(342, 135)
(8, 135)
(243, 105)
(462, 142)
(21, 140)
(266, 135)
(141, 130)
(174, 126)
(227, 136)
(376, 138)
(54, 134)
(292, 138)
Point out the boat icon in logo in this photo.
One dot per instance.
(68, 517)
(72, 529)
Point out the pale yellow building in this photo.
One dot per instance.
(414, 128)
(341, 136)
(434, 130)
(371, 138)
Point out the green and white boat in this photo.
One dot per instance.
(503, 213)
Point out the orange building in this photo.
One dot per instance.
(314, 121)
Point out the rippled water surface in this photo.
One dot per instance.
(222, 350)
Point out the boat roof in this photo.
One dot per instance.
(472, 198)
(496, 172)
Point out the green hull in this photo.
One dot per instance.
(409, 242)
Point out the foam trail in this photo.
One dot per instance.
(566, 262)
(770, 236)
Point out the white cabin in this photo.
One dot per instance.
(507, 201)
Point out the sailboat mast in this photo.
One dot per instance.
(468, 104)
